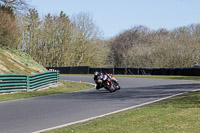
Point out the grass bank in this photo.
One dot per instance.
(63, 87)
(177, 114)
(17, 62)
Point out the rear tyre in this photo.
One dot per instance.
(109, 87)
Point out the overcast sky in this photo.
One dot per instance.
(115, 16)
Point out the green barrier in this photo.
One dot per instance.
(19, 82)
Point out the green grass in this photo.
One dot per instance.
(174, 115)
(64, 87)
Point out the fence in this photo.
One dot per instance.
(195, 71)
(18, 82)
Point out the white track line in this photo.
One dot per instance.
(114, 112)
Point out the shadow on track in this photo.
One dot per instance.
(151, 92)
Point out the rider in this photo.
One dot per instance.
(99, 78)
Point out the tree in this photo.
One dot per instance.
(122, 44)
(140, 47)
(9, 31)
(86, 48)
(15, 5)
(56, 36)
(30, 31)
(85, 26)
(58, 41)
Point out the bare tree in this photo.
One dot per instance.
(85, 26)
(121, 45)
(140, 47)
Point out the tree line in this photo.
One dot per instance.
(59, 41)
(142, 47)
(62, 40)
(54, 40)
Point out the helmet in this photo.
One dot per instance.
(96, 73)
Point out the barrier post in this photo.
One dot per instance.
(126, 71)
(57, 77)
(27, 83)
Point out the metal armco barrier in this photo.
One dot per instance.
(18, 82)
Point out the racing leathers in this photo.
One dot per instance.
(99, 79)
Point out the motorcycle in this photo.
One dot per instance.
(110, 83)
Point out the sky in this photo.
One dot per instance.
(115, 16)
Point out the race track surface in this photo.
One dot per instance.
(35, 114)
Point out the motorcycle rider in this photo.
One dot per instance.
(98, 78)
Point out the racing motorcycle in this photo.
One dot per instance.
(109, 82)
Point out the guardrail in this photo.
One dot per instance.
(19, 82)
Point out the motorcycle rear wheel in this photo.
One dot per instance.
(108, 87)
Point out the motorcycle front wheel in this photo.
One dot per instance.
(116, 85)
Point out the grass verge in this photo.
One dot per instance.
(64, 87)
(177, 114)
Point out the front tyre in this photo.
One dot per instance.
(116, 85)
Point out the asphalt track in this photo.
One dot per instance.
(36, 114)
